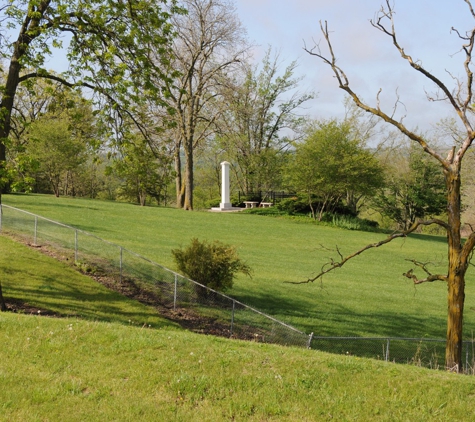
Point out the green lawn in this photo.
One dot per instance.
(368, 297)
(114, 359)
(78, 370)
(42, 282)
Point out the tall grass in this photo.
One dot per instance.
(367, 297)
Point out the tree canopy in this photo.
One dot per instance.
(108, 46)
(331, 162)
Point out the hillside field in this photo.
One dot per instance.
(142, 367)
(113, 358)
(367, 297)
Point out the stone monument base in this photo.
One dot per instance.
(226, 207)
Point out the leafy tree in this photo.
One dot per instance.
(56, 152)
(461, 99)
(59, 141)
(108, 51)
(260, 105)
(414, 189)
(142, 172)
(329, 163)
(212, 264)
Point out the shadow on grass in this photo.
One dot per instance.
(91, 301)
(344, 321)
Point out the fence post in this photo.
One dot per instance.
(175, 292)
(120, 264)
(232, 318)
(1, 214)
(36, 230)
(75, 245)
(310, 338)
(386, 357)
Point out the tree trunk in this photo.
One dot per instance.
(188, 200)
(456, 273)
(456, 297)
(3, 161)
(180, 187)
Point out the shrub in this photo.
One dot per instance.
(212, 264)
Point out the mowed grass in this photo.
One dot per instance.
(42, 282)
(79, 370)
(367, 297)
(142, 367)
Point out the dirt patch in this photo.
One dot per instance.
(19, 306)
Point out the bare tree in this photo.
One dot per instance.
(261, 103)
(461, 100)
(210, 41)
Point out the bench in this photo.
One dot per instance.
(251, 204)
(266, 204)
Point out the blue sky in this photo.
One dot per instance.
(366, 54)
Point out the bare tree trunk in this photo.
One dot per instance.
(188, 200)
(456, 273)
(180, 187)
(456, 297)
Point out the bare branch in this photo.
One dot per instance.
(378, 24)
(430, 277)
(344, 84)
(333, 265)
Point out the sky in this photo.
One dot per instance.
(366, 55)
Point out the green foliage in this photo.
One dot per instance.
(270, 211)
(109, 50)
(415, 188)
(303, 204)
(55, 134)
(143, 172)
(352, 223)
(212, 264)
(329, 164)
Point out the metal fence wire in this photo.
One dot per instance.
(212, 312)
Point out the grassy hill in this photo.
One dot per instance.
(142, 367)
(116, 359)
(368, 297)
(77, 370)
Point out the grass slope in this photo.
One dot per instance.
(42, 282)
(368, 297)
(77, 370)
(142, 368)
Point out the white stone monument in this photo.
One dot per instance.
(225, 204)
(225, 201)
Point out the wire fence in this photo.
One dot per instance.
(204, 309)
